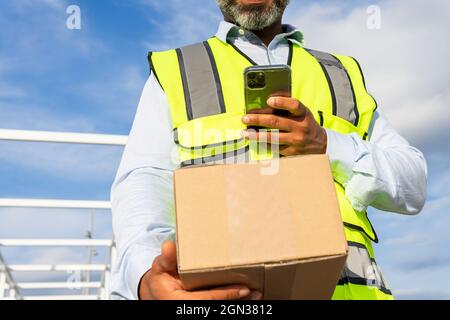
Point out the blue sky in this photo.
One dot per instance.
(90, 80)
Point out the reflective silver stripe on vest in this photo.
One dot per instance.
(360, 269)
(201, 83)
(343, 95)
(241, 155)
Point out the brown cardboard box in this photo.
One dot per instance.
(281, 234)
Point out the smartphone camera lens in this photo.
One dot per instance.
(261, 78)
(256, 80)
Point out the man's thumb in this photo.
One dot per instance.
(169, 256)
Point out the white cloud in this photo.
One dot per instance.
(36, 35)
(41, 68)
(64, 161)
(185, 22)
(413, 250)
(42, 53)
(406, 240)
(419, 294)
(120, 94)
(68, 162)
(52, 223)
(25, 115)
(8, 91)
(58, 256)
(25, 5)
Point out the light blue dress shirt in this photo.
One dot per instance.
(385, 173)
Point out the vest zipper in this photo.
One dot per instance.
(321, 118)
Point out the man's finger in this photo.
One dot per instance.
(292, 105)
(169, 254)
(271, 137)
(287, 151)
(267, 110)
(269, 121)
(254, 295)
(221, 293)
(167, 261)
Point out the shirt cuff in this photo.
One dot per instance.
(138, 261)
(343, 153)
(350, 160)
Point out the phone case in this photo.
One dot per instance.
(263, 82)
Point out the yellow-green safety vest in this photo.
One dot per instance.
(204, 85)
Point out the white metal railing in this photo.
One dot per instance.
(56, 268)
(60, 204)
(55, 243)
(62, 137)
(59, 285)
(61, 297)
(9, 289)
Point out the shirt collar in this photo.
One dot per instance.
(229, 30)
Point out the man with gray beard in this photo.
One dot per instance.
(330, 113)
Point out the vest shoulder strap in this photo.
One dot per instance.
(199, 79)
(341, 87)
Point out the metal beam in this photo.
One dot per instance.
(59, 285)
(63, 137)
(59, 204)
(3, 285)
(7, 281)
(57, 268)
(55, 242)
(74, 297)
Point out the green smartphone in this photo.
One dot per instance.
(263, 82)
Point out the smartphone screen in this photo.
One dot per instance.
(263, 82)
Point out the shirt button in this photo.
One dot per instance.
(241, 32)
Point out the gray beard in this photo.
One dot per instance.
(253, 17)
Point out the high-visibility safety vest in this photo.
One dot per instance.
(204, 85)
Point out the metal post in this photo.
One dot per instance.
(105, 290)
(112, 259)
(12, 293)
(113, 253)
(107, 274)
(7, 284)
(2, 284)
(87, 273)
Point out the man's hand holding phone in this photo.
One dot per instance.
(298, 131)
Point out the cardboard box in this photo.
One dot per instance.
(281, 234)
